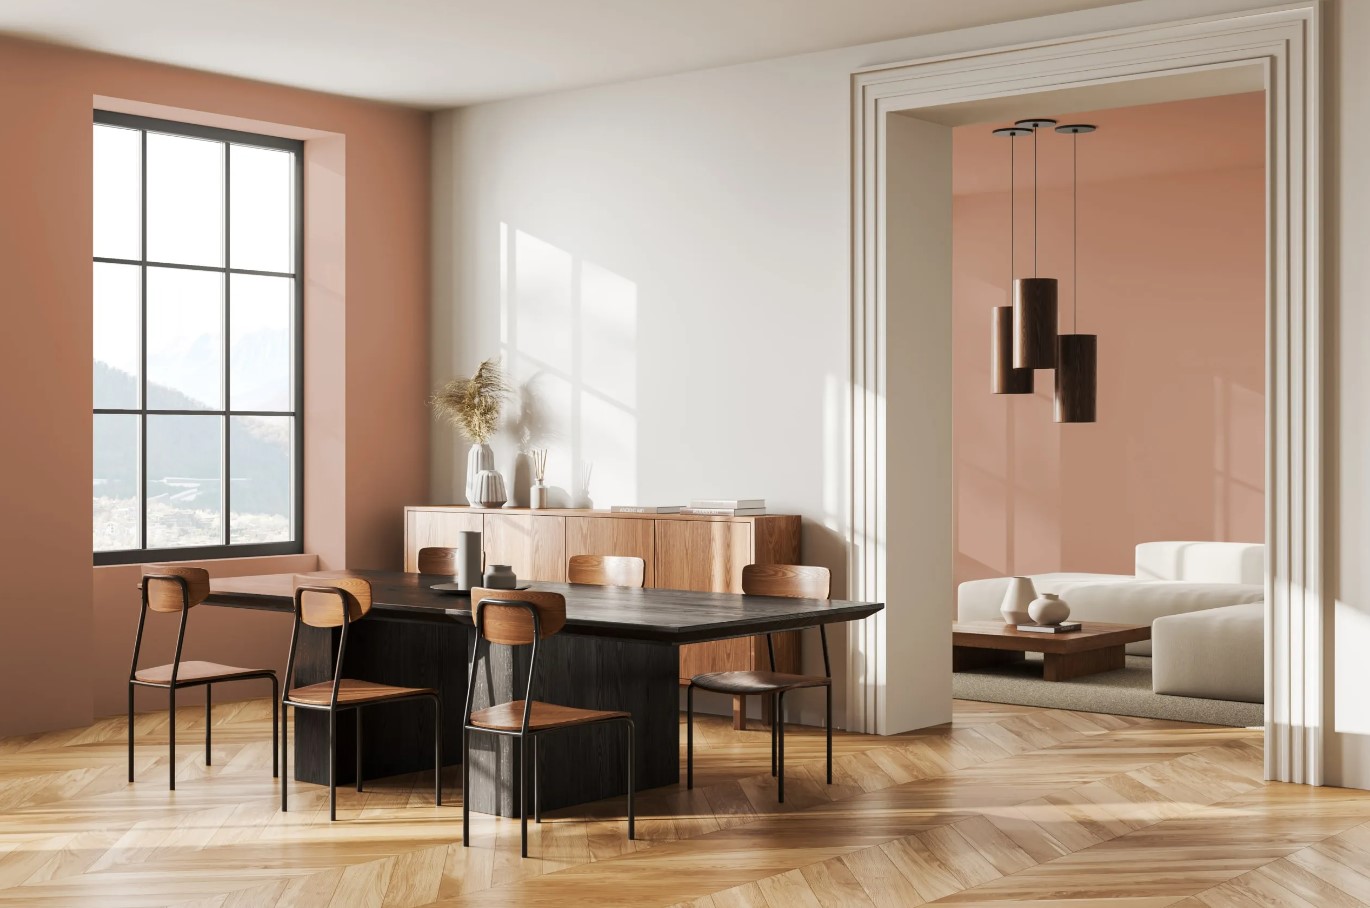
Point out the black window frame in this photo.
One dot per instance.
(226, 549)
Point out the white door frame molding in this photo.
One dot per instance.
(1284, 41)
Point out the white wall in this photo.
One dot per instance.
(682, 283)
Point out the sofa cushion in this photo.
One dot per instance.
(1202, 562)
(1216, 653)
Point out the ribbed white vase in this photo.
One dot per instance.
(490, 489)
(479, 458)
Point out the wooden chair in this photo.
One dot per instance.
(522, 618)
(342, 602)
(800, 582)
(607, 570)
(175, 588)
(438, 560)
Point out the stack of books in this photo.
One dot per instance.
(1064, 627)
(727, 507)
(645, 509)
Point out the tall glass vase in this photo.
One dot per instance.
(480, 457)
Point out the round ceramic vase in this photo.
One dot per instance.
(1048, 609)
(500, 577)
(1017, 597)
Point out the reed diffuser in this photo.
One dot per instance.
(537, 495)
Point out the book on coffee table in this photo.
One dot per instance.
(1064, 627)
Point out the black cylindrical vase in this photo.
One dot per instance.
(1003, 378)
(1077, 382)
(1034, 323)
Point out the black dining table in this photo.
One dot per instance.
(617, 651)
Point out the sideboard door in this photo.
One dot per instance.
(434, 528)
(706, 556)
(614, 536)
(533, 544)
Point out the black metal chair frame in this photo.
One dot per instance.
(332, 707)
(524, 732)
(175, 684)
(777, 721)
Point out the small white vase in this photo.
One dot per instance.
(479, 458)
(537, 495)
(490, 489)
(1017, 598)
(1048, 609)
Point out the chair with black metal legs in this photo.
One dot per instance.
(341, 602)
(796, 581)
(174, 588)
(522, 618)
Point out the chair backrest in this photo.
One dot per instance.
(800, 581)
(512, 625)
(167, 595)
(325, 601)
(438, 560)
(607, 570)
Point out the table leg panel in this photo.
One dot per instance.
(970, 658)
(1064, 666)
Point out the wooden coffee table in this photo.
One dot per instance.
(1095, 648)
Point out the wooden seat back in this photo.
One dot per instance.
(328, 601)
(512, 625)
(607, 570)
(166, 594)
(438, 560)
(798, 581)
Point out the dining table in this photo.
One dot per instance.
(619, 650)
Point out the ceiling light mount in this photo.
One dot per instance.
(1075, 129)
(1035, 123)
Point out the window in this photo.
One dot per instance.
(197, 303)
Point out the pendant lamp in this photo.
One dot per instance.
(1003, 377)
(1034, 298)
(1076, 354)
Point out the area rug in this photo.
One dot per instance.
(1125, 692)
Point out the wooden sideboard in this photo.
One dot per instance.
(681, 552)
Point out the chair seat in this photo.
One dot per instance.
(756, 682)
(197, 673)
(509, 716)
(352, 692)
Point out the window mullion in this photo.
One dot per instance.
(142, 344)
(226, 497)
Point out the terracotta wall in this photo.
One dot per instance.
(1171, 278)
(67, 632)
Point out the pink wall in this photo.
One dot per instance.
(1171, 273)
(68, 631)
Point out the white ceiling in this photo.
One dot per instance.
(446, 53)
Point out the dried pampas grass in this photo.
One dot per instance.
(473, 404)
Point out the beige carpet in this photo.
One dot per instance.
(1125, 692)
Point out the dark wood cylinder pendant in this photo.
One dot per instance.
(1034, 323)
(1003, 378)
(1077, 381)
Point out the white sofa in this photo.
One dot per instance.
(1172, 578)
(1216, 653)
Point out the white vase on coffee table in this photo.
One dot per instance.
(1017, 598)
(1048, 609)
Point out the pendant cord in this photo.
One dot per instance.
(1075, 230)
(1034, 202)
(1012, 219)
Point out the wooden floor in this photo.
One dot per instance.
(1007, 805)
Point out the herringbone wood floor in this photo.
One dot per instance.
(1006, 805)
